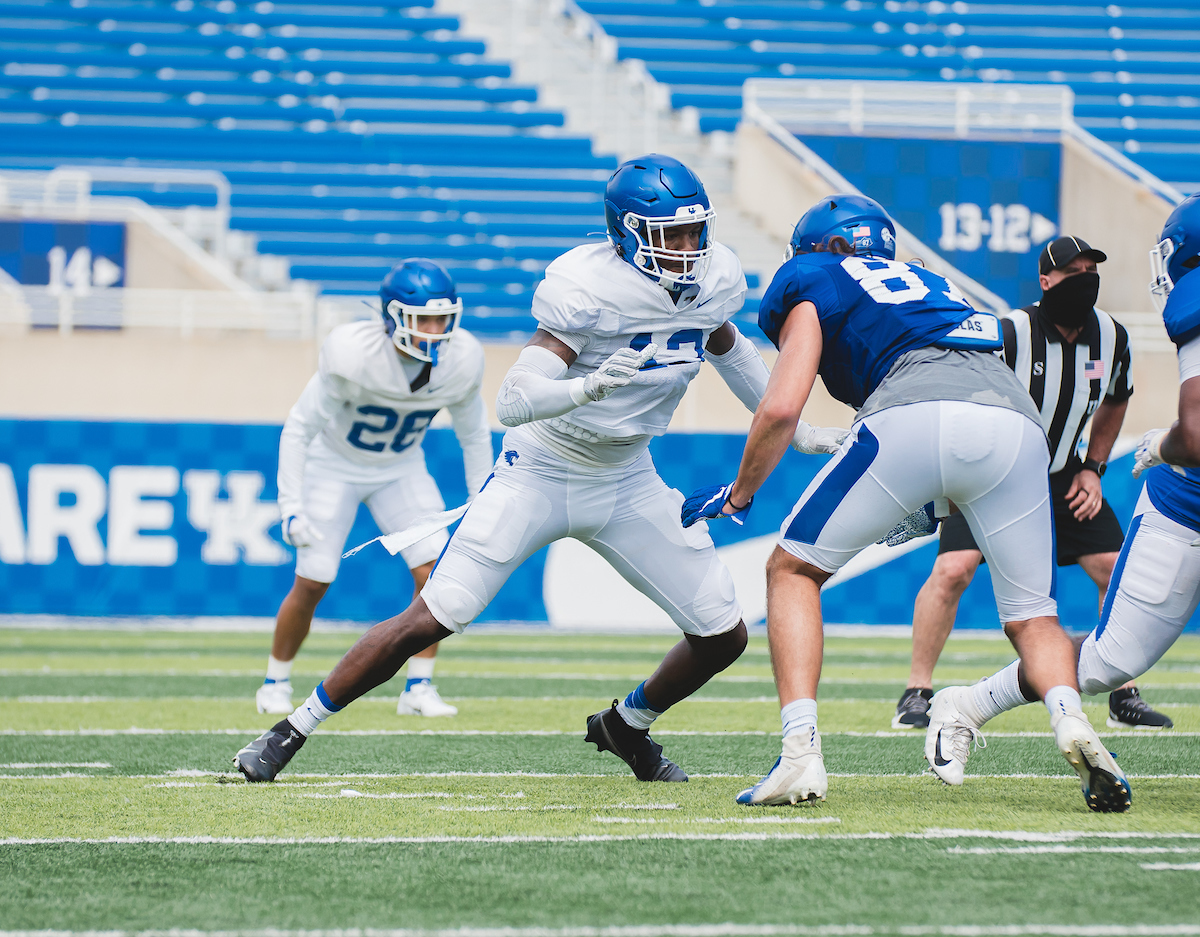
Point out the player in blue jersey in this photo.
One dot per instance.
(1155, 586)
(940, 419)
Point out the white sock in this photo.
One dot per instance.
(421, 668)
(278, 671)
(994, 695)
(1062, 698)
(799, 716)
(313, 711)
(636, 710)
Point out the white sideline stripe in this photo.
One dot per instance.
(681, 930)
(538, 774)
(370, 733)
(929, 835)
(1064, 850)
(56, 764)
(1171, 866)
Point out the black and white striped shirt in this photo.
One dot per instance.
(1066, 380)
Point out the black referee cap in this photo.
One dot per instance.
(1061, 251)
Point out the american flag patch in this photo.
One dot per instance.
(1094, 370)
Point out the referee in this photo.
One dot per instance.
(1074, 359)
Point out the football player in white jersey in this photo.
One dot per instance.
(355, 436)
(623, 328)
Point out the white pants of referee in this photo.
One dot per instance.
(1153, 593)
(992, 462)
(626, 513)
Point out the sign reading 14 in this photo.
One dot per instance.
(1013, 229)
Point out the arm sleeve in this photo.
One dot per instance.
(1119, 387)
(1189, 360)
(533, 389)
(743, 370)
(320, 399)
(469, 417)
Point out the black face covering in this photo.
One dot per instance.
(1069, 302)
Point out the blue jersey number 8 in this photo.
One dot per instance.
(410, 430)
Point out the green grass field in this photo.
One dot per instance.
(120, 810)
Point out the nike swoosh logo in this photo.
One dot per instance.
(937, 755)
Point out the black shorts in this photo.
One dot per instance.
(1101, 534)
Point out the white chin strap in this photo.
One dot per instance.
(1160, 280)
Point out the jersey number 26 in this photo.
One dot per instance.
(410, 430)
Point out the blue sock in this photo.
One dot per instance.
(413, 681)
(636, 711)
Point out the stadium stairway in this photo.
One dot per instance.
(352, 134)
(612, 102)
(1132, 64)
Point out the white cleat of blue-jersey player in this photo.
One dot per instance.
(623, 328)
(1155, 586)
(940, 419)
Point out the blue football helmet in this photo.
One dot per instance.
(418, 289)
(1178, 252)
(860, 220)
(643, 199)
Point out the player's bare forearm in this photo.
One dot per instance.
(1106, 426)
(775, 420)
(1182, 445)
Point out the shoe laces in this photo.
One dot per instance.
(961, 737)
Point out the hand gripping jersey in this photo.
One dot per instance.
(596, 303)
(1173, 489)
(362, 420)
(872, 311)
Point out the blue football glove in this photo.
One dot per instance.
(706, 504)
(920, 523)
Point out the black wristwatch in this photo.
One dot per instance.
(1093, 465)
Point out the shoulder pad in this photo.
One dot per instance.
(1181, 315)
(566, 300)
(348, 347)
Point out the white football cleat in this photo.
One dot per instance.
(423, 700)
(1105, 788)
(949, 736)
(798, 774)
(275, 698)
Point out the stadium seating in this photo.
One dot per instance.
(353, 134)
(1131, 64)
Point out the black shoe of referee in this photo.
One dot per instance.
(912, 712)
(1127, 710)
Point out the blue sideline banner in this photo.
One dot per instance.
(130, 518)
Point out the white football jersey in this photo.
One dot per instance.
(360, 418)
(596, 303)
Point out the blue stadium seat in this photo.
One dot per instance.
(353, 133)
(1139, 54)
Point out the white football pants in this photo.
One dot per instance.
(992, 462)
(1153, 593)
(625, 513)
(331, 505)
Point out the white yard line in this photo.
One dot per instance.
(56, 764)
(683, 930)
(1171, 866)
(928, 835)
(533, 733)
(1065, 850)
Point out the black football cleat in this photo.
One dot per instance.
(268, 754)
(912, 712)
(1127, 710)
(613, 734)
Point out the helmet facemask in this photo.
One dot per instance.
(1160, 280)
(403, 323)
(672, 268)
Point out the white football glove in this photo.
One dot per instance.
(816, 440)
(1149, 451)
(298, 532)
(616, 371)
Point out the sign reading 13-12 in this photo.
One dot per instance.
(1010, 229)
